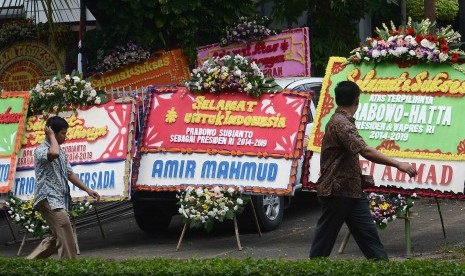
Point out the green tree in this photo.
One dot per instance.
(162, 24)
(441, 10)
(333, 24)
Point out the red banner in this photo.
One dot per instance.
(232, 122)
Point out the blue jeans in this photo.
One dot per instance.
(356, 214)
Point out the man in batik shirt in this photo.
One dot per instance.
(52, 193)
(339, 187)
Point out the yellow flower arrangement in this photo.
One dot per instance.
(23, 214)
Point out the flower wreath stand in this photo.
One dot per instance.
(9, 223)
(236, 229)
(202, 197)
(386, 210)
(33, 224)
(408, 239)
(73, 219)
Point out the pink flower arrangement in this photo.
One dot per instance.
(422, 42)
(121, 56)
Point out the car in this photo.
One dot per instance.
(153, 213)
(270, 208)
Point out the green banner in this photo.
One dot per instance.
(406, 110)
(13, 107)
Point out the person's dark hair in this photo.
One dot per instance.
(346, 93)
(57, 123)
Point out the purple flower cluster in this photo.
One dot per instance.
(246, 30)
(385, 209)
(122, 55)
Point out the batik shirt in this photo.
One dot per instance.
(51, 178)
(339, 163)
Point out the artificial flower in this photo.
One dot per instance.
(231, 73)
(246, 30)
(202, 206)
(121, 56)
(422, 42)
(23, 214)
(62, 93)
(386, 208)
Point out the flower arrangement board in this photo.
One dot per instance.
(62, 93)
(98, 146)
(283, 55)
(202, 206)
(413, 112)
(169, 67)
(228, 139)
(13, 107)
(23, 64)
(24, 215)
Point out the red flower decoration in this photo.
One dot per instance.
(395, 32)
(388, 145)
(410, 31)
(337, 67)
(461, 147)
(454, 57)
(318, 138)
(428, 151)
(328, 105)
(444, 48)
(431, 38)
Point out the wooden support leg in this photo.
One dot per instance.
(408, 240)
(236, 230)
(442, 221)
(9, 225)
(22, 244)
(344, 243)
(99, 222)
(182, 236)
(78, 251)
(255, 218)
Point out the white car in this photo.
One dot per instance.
(154, 213)
(270, 208)
(313, 86)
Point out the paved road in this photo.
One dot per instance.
(291, 241)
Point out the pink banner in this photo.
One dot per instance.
(284, 55)
(271, 124)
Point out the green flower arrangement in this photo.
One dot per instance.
(63, 93)
(202, 206)
(23, 214)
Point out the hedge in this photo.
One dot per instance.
(227, 266)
